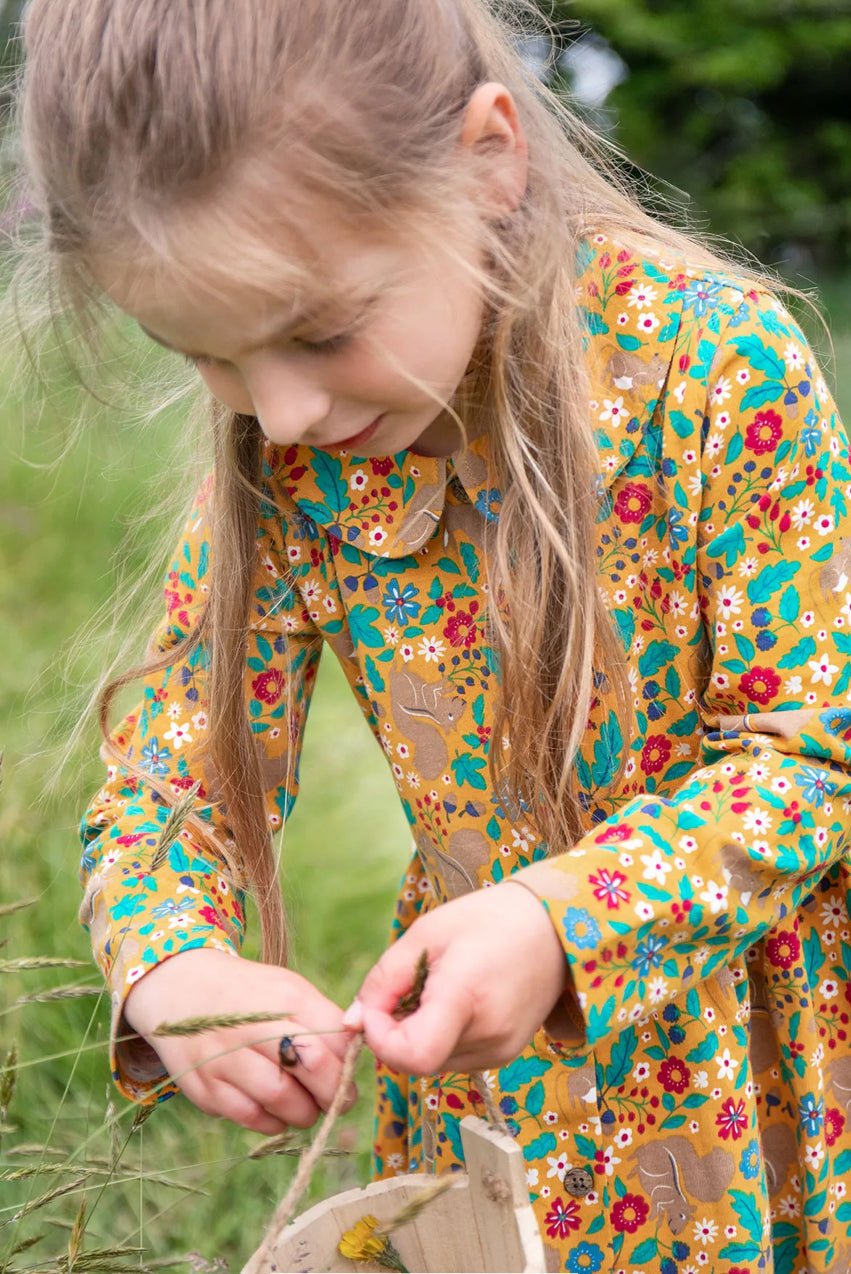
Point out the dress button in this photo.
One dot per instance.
(578, 1182)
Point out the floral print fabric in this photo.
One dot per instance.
(686, 1107)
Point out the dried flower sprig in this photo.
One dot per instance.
(417, 1205)
(410, 1001)
(363, 1243)
(216, 1022)
(173, 825)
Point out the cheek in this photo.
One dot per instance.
(228, 387)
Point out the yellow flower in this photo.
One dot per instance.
(362, 1244)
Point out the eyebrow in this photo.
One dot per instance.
(362, 304)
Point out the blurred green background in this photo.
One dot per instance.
(742, 113)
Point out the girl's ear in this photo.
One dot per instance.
(492, 126)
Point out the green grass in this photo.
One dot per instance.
(344, 851)
(345, 848)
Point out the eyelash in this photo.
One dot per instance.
(327, 345)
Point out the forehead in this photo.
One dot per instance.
(205, 283)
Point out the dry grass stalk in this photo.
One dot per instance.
(26, 963)
(413, 1209)
(8, 1077)
(174, 825)
(77, 1233)
(142, 1115)
(216, 1022)
(410, 1001)
(72, 991)
(35, 1204)
(103, 1261)
(9, 908)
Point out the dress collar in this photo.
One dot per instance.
(391, 506)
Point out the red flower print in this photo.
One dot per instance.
(674, 1075)
(562, 1218)
(732, 1120)
(760, 685)
(629, 1213)
(783, 949)
(765, 432)
(655, 754)
(623, 831)
(268, 686)
(834, 1122)
(211, 916)
(381, 466)
(633, 502)
(608, 887)
(461, 629)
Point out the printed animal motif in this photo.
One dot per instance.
(735, 864)
(671, 1166)
(838, 1073)
(576, 1087)
(834, 576)
(779, 1153)
(628, 371)
(424, 712)
(455, 867)
(762, 1033)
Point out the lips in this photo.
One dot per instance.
(356, 440)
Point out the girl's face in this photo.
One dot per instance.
(369, 372)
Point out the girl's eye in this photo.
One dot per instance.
(326, 344)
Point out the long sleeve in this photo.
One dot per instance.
(712, 856)
(140, 914)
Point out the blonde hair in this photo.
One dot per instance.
(138, 115)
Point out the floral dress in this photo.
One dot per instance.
(686, 1108)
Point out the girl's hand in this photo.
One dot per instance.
(236, 1073)
(496, 968)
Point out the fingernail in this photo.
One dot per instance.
(353, 1016)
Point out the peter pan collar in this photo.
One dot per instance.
(391, 506)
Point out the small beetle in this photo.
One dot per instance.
(289, 1053)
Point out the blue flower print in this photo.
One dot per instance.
(811, 434)
(676, 534)
(811, 1114)
(488, 502)
(749, 1162)
(701, 297)
(399, 603)
(169, 907)
(836, 720)
(815, 784)
(584, 1257)
(648, 954)
(581, 928)
(154, 757)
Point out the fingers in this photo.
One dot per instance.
(423, 1042)
(310, 1060)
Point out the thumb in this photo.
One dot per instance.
(422, 1041)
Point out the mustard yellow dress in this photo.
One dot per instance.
(694, 1115)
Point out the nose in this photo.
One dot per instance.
(288, 398)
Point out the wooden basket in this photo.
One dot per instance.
(483, 1223)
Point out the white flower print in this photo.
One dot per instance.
(726, 1064)
(432, 648)
(705, 1231)
(613, 410)
(358, 480)
(715, 897)
(642, 296)
(178, 734)
(757, 821)
(655, 867)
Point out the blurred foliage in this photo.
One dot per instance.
(744, 104)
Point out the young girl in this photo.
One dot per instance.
(569, 502)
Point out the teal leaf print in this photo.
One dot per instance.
(374, 677)
(798, 655)
(681, 424)
(541, 1146)
(328, 471)
(535, 1098)
(629, 343)
(623, 1051)
(585, 1145)
(758, 395)
(470, 558)
(521, 1071)
(730, 545)
(644, 1252)
(790, 605)
(770, 579)
(744, 1206)
(397, 1100)
(318, 512)
(656, 656)
(593, 323)
(760, 357)
(466, 769)
(362, 626)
